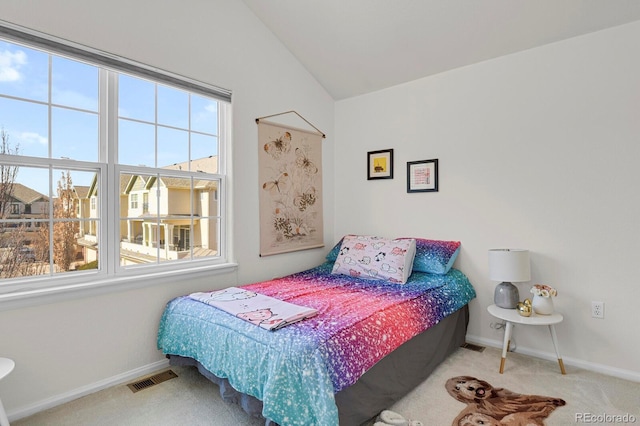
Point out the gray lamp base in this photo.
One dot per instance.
(506, 295)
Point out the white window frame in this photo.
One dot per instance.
(111, 274)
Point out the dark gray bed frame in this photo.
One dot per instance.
(383, 384)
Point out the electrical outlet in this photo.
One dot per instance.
(597, 310)
(497, 325)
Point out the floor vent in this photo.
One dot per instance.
(473, 347)
(151, 381)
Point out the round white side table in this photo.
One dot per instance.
(6, 367)
(511, 317)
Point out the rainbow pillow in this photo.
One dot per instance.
(435, 256)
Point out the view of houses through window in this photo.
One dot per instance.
(86, 150)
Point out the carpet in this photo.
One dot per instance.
(191, 399)
(531, 391)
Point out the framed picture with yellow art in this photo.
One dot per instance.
(380, 164)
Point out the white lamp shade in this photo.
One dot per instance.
(509, 265)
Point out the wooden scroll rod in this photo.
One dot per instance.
(292, 112)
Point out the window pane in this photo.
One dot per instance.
(134, 195)
(173, 147)
(175, 197)
(136, 98)
(176, 238)
(65, 246)
(24, 192)
(74, 135)
(205, 237)
(23, 252)
(136, 143)
(136, 242)
(84, 195)
(138, 219)
(74, 84)
(88, 242)
(206, 197)
(75, 229)
(24, 72)
(204, 147)
(74, 184)
(25, 124)
(204, 115)
(173, 107)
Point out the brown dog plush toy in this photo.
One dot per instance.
(487, 405)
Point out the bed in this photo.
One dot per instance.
(370, 343)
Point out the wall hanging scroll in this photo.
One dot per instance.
(290, 176)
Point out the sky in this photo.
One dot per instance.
(73, 129)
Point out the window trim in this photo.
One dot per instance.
(108, 60)
(111, 276)
(79, 287)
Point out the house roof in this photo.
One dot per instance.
(26, 195)
(207, 164)
(81, 191)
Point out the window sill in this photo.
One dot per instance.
(31, 297)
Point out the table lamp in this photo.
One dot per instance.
(508, 265)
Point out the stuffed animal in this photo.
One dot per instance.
(487, 405)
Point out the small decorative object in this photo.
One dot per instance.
(422, 176)
(542, 299)
(508, 265)
(380, 164)
(525, 308)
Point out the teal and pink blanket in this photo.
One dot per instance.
(296, 370)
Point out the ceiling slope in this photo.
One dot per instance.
(354, 47)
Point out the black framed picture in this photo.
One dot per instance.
(422, 176)
(380, 164)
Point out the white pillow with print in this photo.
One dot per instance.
(375, 258)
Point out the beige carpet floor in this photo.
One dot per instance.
(191, 399)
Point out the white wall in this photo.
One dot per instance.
(537, 150)
(66, 347)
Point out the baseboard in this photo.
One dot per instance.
(633, 376)
(56, 400)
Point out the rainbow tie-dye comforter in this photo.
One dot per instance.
(296, 370)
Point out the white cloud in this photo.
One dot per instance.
(206, 113)
(10, 64)
(32, 137)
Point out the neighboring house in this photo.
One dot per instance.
(26, 205)
(82, 205)
(85, 202)
(150, 222)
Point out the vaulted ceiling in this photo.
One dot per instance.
(354, 47)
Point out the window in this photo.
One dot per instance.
(89, 144)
